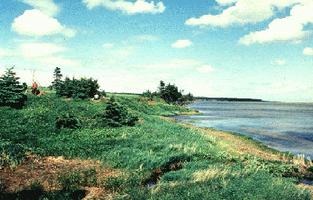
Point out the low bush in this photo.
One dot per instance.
(11, 154)
(67, 121)
(116, 115)
(70, 181)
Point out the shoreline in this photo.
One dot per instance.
(261, 148)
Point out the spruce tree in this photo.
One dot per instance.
(12, 93)
(57, 79)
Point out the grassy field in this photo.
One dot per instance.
(156, 159)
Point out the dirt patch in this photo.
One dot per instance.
(46, 172)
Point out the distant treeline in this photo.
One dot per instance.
(228, 99)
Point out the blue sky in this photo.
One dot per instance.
(222, 48)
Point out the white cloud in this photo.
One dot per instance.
(205, 69)
(279, 62)
(46, 6)
(308, 51)
(128, 7)
(179, 44)
(45, 53)
(290, 28)
(36, 23)
(242, 12)
(35, 50)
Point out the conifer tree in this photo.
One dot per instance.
(57, 79)
(12, 93)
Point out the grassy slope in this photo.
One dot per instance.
(214, 166)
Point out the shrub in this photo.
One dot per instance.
(78, 88)
(11, 91)
(11, 154)
(89, 177)
(169, 93)
(67, 121)
(150, 95)
(70, 181)
(116, 115)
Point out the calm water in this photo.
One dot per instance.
(283, 126)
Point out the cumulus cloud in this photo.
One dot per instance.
(293, 27)
(308, 51)
(36, 23)
(180, 44)
(241, 13)
(46, 6)
(290, 28)
(128, 7)
(205, 69)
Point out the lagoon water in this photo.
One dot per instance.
(282, 126)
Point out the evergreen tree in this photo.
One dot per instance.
(78, 88)
(57, 80)
(171, 94)
(161, 87)
(116, 115)
(11, 91)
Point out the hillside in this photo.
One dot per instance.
(155, 159)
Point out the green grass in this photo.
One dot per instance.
(209, 170)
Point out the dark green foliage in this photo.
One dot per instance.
(186, 99)
(57, 80)
(71, 181)
(114, 183)
(89, 177)
(149, 95)
(67, 121)
(170, 94)
(11, 154)
(102, 93)
(116, 115)
(11, 91)
(78, 88)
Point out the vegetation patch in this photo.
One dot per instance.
(174, 164)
